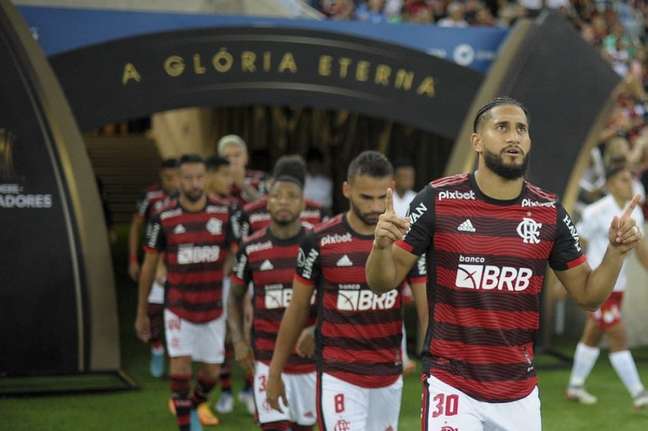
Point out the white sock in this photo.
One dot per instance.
(404, 347)
(625, 367)
(584, 360)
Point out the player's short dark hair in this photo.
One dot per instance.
(370, 163)
(290, 168)
(484, 111)
(170, 163)
(191, 158)
(615, 167)
(215, 162)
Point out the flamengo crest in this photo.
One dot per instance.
(214, 226)
(529, 231)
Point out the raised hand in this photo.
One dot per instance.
(624, 235)
(390, 226)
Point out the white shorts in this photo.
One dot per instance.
(300, 393)
(446, 408)
(347, 407)
(204, 342)
(156, 295)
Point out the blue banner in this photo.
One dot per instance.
(64, 29)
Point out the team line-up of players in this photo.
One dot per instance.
(324, 341)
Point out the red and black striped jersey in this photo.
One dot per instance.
(153, 200)
(195, 245)
(255, 215)
(486, 262)
(358, 332)
(269, 263)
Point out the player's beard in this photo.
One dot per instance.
(194, 195)
(508, 171)
(369, 218)
(285, 221)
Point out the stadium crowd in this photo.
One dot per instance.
(616, 28)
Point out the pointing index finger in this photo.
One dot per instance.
(389, 201)
(627, 212)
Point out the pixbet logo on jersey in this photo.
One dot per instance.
(361, 300)
(490, 277)
(190, 254)
(457, 195)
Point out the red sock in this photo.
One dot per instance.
(180, 394)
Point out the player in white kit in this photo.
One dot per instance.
(607, 319)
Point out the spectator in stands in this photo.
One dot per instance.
(372, 11)
(483, 17)
(338, 10)
(393, 10)
(455, 16)
(418, 11)
(534, 7)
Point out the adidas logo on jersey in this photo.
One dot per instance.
(466, 226)
(344, 261)
(266, 265)
(179, 229)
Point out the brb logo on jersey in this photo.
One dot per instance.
(352, 298)
(188, 254)
(474, 275)
(529, 231)
(277, 297)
